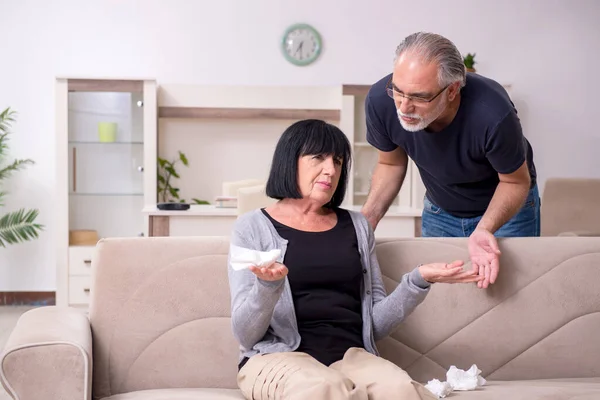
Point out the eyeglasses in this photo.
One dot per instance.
(415, 99)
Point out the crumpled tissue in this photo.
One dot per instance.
(242, 258)
(465, 380)
(457, 379)
(440, 389)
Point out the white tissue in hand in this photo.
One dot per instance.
(440, 389)
(465, 380)
(242, 258)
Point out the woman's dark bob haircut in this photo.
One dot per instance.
(307, 137)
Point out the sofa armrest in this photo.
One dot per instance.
(580, 233)
(49, 356)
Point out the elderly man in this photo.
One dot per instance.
(463, 133)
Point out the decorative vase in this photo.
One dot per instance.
(471, 70)
(107, 131)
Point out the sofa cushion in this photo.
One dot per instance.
(180, 394)
(566, 389)
(555, 389)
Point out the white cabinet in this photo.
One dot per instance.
(80, 273)
(106, 171)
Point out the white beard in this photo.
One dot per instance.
(423, 121)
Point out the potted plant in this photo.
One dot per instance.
(469, 61)
(168, 194)
(17, 226)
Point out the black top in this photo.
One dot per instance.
(325, 274)
(459, 166)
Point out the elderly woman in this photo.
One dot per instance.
(307, 324)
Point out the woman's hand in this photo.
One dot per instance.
(448, 273)
(273, 272)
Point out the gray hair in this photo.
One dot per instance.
(434, 47)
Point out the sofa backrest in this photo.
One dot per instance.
(160, 311)
(541, 319)
(160, 315)
(570, 205)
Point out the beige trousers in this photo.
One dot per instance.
(298, 376)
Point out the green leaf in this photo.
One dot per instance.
(183, 158)
(162, 179)
(162, 162)
(469, 60)
(15, 166)
(182, 201)
(174, 193)
(6, 118)
(19, 226)
(172, 171)
(197, 201)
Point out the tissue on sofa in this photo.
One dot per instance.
(465, 380)
(456, 379)
(242, 258)
(440, 389)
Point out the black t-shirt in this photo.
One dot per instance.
(459, 165)
(325, 274)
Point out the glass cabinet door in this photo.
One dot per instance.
(106, 156)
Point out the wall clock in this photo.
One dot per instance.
(301, 44)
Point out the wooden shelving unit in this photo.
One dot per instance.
(247, 113)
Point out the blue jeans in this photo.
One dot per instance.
(438, 223)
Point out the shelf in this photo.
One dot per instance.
(207, 210)
(106, 194)
(104, 143)
(102, 85)
(355, 90)
(247, 113)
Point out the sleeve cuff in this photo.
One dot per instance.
(417, 279)
(273, 285)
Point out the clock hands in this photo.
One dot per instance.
(299, 49)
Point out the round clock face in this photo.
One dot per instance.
(301, 44)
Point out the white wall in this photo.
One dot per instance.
(547, 49)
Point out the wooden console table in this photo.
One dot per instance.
(208, 220)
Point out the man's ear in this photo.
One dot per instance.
(453, 90)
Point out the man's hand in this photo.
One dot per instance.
(448, 273)
(485, 256)
(274, 272)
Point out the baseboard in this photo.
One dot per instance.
(27, 298)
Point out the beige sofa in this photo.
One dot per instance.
(570, 207)
(159, 324)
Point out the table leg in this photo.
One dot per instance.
(159, 225)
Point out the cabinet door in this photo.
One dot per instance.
(106, 160)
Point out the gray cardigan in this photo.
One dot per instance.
(262, 312)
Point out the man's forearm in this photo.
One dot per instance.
(506, 202)
(385, 185)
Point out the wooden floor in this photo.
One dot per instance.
(8, 319)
